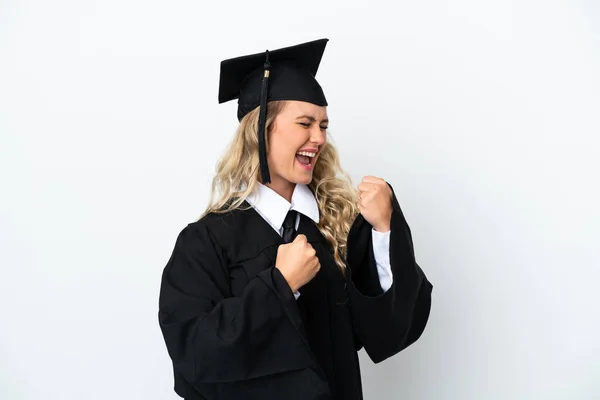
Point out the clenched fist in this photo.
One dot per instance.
(297, 262)
(375, 202)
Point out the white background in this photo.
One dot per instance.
(483, 115)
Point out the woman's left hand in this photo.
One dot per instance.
(375, 202)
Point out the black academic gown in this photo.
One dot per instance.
(234, 330)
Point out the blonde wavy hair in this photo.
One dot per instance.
(237, 175)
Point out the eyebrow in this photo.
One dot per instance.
(312, 119)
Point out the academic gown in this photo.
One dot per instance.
(234, 329)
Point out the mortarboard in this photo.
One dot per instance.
(283, 74)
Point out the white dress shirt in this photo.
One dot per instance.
(274, 208)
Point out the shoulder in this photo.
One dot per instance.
(239, 234)
(219, 226)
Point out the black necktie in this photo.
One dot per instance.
(289, 226)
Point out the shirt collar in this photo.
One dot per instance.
(274, 208)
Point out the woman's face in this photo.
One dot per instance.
(296, 138)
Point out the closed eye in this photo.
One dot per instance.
(307, 125)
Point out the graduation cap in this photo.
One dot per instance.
(283, 74)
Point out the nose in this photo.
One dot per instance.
(318, 136)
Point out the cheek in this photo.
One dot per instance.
(285, 144)
(280, 150)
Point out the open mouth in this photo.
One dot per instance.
(305, 158)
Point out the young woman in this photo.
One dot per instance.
(290, 271)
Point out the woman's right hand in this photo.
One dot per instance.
(298, 263)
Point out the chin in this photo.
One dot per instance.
(303, 179)
(300, 176)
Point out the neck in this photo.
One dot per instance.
(283, 188)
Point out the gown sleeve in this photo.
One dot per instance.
(386, 323)
(213, 337)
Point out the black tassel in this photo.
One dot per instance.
(262, 116)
